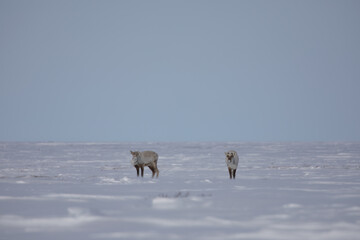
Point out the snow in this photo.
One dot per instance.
(91, 191)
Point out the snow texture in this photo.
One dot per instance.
(90, 191)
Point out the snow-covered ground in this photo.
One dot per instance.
(90, 191)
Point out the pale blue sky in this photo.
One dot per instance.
(179, 70)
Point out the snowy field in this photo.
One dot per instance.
(90, 191)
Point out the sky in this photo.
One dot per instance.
(189, 70)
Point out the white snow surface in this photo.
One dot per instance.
(90, 191)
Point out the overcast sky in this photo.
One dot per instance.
(179, 70)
